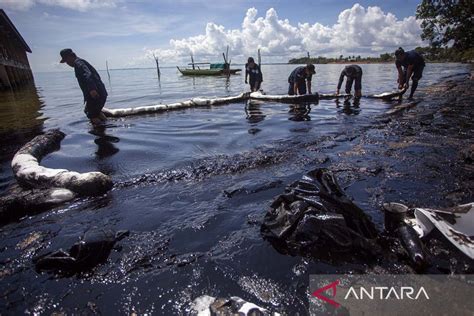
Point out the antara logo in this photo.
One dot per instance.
(371, 293)
(386, 293)
(332, 286)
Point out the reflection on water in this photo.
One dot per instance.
(254, 112)
(300, 112)
(20, 121)
(20, 109)
(347, 107)
(105, 143)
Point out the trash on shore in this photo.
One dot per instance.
(211, 306)
(314, 218)
(455, 223)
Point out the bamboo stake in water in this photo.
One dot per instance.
(107, 66)
(157, 66)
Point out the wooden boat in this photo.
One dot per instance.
(207, 72)
(213, 70)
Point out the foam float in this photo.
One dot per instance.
(387, 95)
(30, 174)
(195, 102)
(42, 188)
(254, 96)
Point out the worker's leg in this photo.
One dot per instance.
(358, 86)
(93, 110)
(302, 87)
(417, 74)
(349, 81)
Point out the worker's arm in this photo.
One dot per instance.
(308, 85)
(401, 78)
(339, 84)
(295, 88)
(246, 73)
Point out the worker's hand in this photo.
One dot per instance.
(337, 92)
(405, 86)
(400, 87)
(246, 81)
(94, 94)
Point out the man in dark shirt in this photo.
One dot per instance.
(353, 73)
(90, 83)
(413, 65)
(300, 78)
(253, 72)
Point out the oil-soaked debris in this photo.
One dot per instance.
(183, 260)
(217, 165)
(315, 218)
(235, 191)
(93, 248)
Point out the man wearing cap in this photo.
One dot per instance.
(300, 78)
(353, 73)
(413, 65)
(91, 85)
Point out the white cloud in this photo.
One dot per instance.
(79, 5)
(20, 5)
(358, 30)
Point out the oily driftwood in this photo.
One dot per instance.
(19, 202)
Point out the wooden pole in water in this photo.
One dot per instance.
(107, 66)
(259, 57)
(192, 59)
(308, 57)
(157, 66)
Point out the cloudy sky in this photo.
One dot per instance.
(127, 33)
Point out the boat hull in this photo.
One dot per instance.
(207, 72)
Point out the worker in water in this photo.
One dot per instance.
(90, 83)
(254, 74)
(300, 80)
(352, 73)
(413, 65)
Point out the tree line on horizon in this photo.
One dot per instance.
(431, 54)
(448, 25)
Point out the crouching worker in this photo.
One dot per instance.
(90, 83)
(253, 72)
(300, 79)
(413, 65)
(353, 73)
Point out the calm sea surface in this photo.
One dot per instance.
(195, 217)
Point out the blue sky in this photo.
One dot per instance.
(126, 33)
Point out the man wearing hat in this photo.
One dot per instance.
(91, 85)
(413, 65)
(300, 78)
